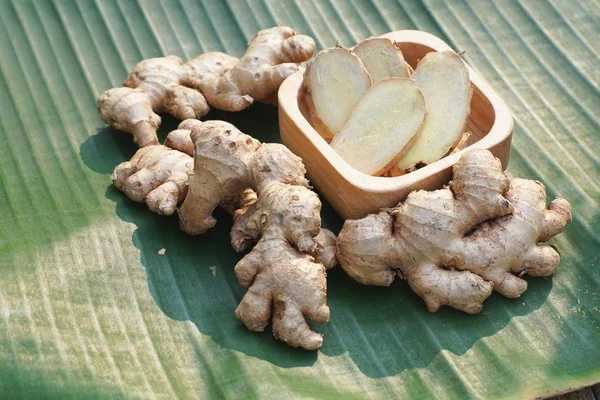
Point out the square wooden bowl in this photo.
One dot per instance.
(354, 194)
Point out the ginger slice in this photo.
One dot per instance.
(444, 80)
(382, 58)
(384, 123)
(455, 245)
(333, 83)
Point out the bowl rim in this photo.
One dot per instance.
(501, 128)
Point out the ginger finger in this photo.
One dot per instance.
(130, 110)
(157, 175)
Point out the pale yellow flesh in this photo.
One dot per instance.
(444, 80)
(383, 122)
(337, 80)
(382, 59)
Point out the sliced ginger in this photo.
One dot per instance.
(455, 245)
(382, 58)
(382, 125)
(333, 83)
(444, 80)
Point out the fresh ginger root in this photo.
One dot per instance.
(456, 244)
(158, 85)
(167, 167)
(276, 213)
(271, 57)
(277, 274)
(180, 138)
(157, 175)
(167, 85)
(283, 220)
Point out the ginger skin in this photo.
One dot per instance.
(167, 85)
(271, 57)
(456, 244)
(158, 165)
(157, 175)
(160, 85)
(283, 220)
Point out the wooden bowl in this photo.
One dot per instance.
(354, 194)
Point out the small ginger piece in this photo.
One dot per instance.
(455, 245)
(157, 175)
(463, 143)
(383, 124)
(272, 55)
(160, 85)
(130, 110)
(333, 83)
(180, 138)
(382, 58)
(283, 220)
(444, 80)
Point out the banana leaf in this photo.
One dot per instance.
(101, 298)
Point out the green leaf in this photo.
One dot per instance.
(99, 297)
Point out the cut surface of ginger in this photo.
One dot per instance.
(444, 80)
(382, 59)
(333, 82)
(383, 124)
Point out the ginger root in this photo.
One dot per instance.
(283, 220)
(165, 167)
(455, 245)
(271, 57)
(276, 273)
(167, 85)
(157, 175)
(158, 85)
